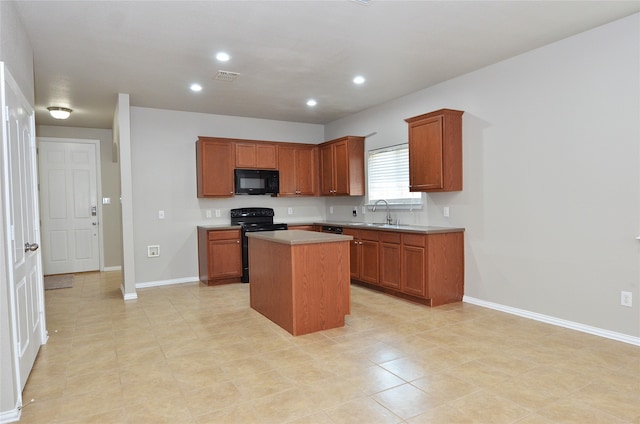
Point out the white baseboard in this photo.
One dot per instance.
(167, 282)
(111, 268)
(10, 416)
(128, 296)
(555, 321)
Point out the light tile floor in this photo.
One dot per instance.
(195, 354)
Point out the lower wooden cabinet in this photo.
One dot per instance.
(364, 255)
(414, 265)
(390, 260)
(219, 256)
(426, 268)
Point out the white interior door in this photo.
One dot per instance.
(23, 230)
(69, 206)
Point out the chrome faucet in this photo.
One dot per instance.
(389, 220)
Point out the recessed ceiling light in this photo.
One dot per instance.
(311, 102)
(223, 57)
(359, 79)
(195, 87)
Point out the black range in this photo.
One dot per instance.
(252, 220)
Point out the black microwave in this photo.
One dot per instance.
(256, 181)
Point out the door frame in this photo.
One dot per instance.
(96, 144)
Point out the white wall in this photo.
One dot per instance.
(164, 178)
(551, 199)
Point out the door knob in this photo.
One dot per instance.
(31, 247)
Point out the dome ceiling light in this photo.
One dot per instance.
(58, 112)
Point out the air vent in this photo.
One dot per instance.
(226, 76)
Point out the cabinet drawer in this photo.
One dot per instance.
(414, 240)
(224, 235)
(387, 237)
(302, 227)
(350, 232)
(369, 235)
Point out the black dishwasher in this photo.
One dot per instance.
(331, 229)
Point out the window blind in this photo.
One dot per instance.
(388, 175)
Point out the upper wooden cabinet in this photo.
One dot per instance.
(342, 167)
(215, 158)
(256, 155)
(435, 151)
(298, 166)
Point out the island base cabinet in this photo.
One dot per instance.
(302, 288)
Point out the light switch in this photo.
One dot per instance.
(208, 213)
(160, 214)
(106, 200)
(217, 213)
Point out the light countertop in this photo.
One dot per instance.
(423, 229)
(295, 237)
(392, 227)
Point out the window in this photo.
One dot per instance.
(388, 176)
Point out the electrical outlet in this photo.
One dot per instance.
(289, 211)
(445, 211)
(153, 251)
(208, 213)
(626, 299)
(217, 213)
(160, 214)
(330, 209)
(355, 211)
(364, 210)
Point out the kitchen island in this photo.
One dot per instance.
(300, 280)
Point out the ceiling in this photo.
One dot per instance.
(286, 52)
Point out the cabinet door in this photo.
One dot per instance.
(225, 259)
(287, 168)
(341, 168)
(306, 164)
(369, 261)
(266, 156)
(245, 155)
(326, 170)
(255, 155)
(414, 267)
(354, 253)
(214, 165)
(390, 260)
(425, 154)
